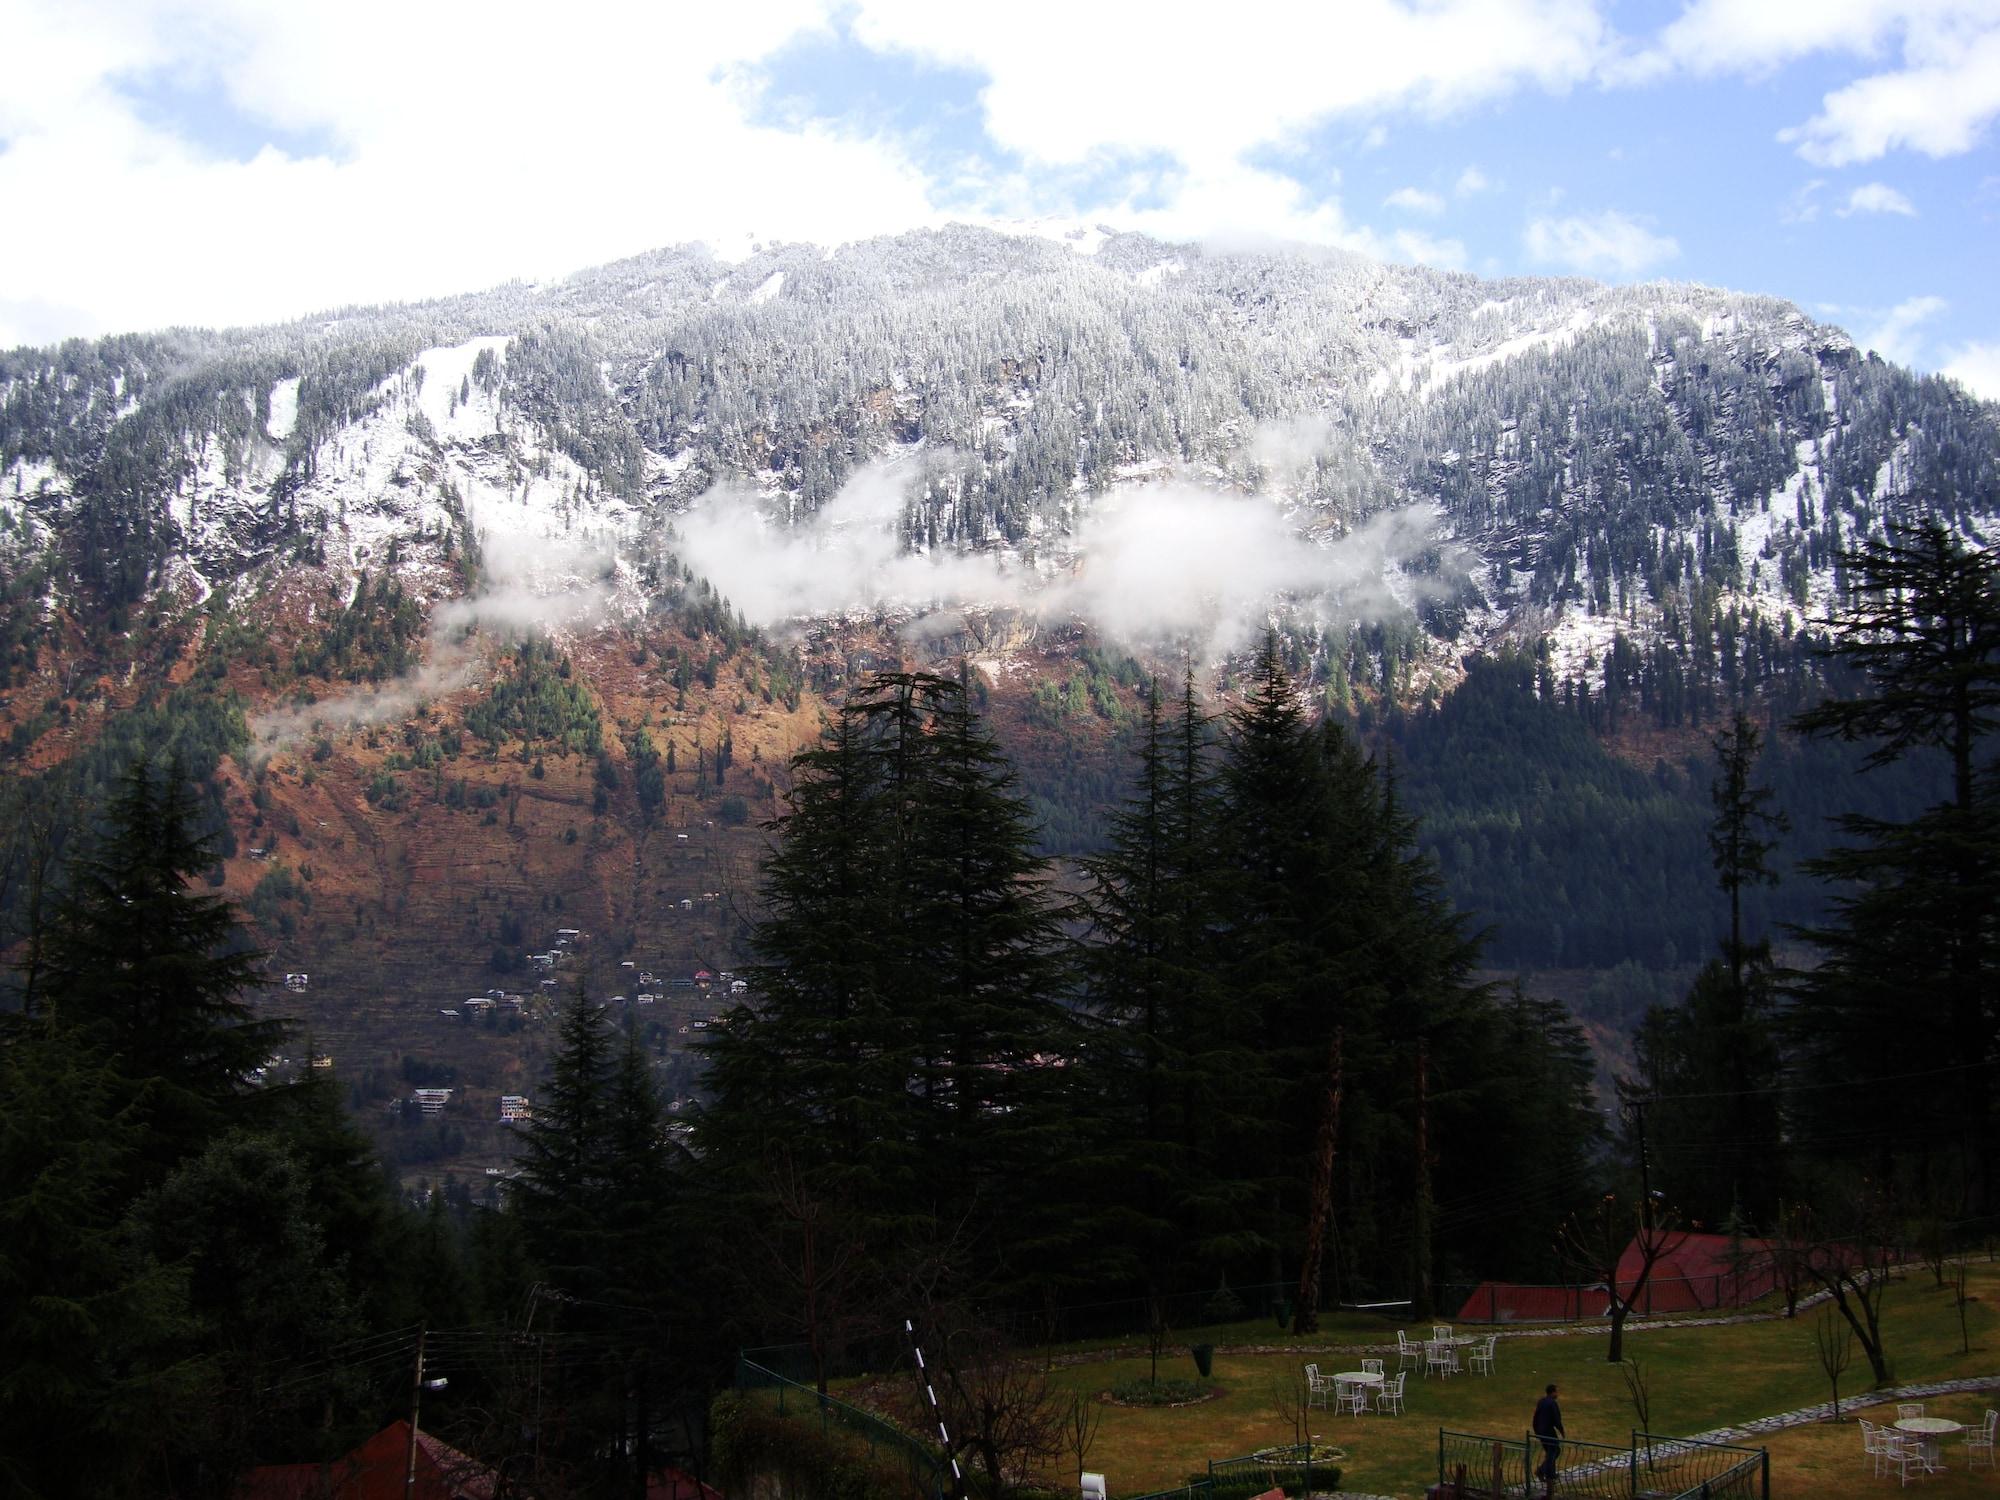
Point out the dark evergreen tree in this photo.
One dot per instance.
(96, 1391)
(1165, 1060)
(907, 1026)
(1702, 1100)
(1916, 903)
(152, 975)
(561, 1192)
(1354, 970)
(1744, 832)
(270, 1305)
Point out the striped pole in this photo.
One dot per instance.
(937, 1412)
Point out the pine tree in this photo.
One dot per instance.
(1159, 1065)
(152, 975)
(96, 1391)
(1705, 1071)
(907, 1021)
(1915, 915)
(563, 1185)
(1744, 832)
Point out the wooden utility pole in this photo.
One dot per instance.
(416, 1399)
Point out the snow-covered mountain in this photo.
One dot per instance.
(1169, 442)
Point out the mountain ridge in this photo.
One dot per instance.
(952, 444)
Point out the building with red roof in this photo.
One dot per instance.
(1697, 1272)
(377, 1470)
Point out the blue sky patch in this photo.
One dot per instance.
(201, 113)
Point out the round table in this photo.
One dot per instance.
(1930, 1429)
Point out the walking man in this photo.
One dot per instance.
(1549, 1428)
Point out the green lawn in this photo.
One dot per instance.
(1699, 1378)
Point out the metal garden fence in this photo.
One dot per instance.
(929, 1473)
(1475, 1466)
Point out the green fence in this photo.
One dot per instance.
(1677, 1467)
(1291, 1468)
(1650, 1467)
(930, 1475)
(1487, 1467)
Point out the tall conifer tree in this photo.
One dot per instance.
(1916, 912)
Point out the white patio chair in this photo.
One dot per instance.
(1373, 1366)
(1907, 1409)
(1871, 1444)
(1902, 1453)
(1441, 1357)
(1409, 1356)
(1390, 1397)
(1348, 1395)
(1440, 1331)
(1980, 1439)
(1481, 1354)
(1317, 1386)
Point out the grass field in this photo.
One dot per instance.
(1698, 1378)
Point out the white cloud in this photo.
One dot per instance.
(1940, 106)
(460, 152)
(463, 154)
(1803, 206)
(1876, 198)
(1414, 200)
(1605, 244)
(1977, 366)
(1899, 337)
(1937, 97)
(1424, 249)
(1212, 92)
(1158, 562)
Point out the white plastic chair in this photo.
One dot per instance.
(1902, 1453)
(1907, 1409)
(1317, 1385)
(1409, 1356)
(1980, 1439)
(1440, 1331)
(1874, 1443)
(1441, 1357)
(1482, 1354)
(1390, 1397)
(1373, 1366)
(1348, 1395)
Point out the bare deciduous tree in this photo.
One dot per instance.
(1642, 1400)
(1002, 1410)
(1833, 1340)
(1853, 1270)
(1156, 1333)
(1594, 1246)
(1293, 1401)
(1082, 1420)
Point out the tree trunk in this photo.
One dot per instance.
(1305, 1318)
(1420, 1209)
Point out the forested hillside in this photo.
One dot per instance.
(488, 617)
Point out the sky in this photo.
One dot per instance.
(227, 162)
